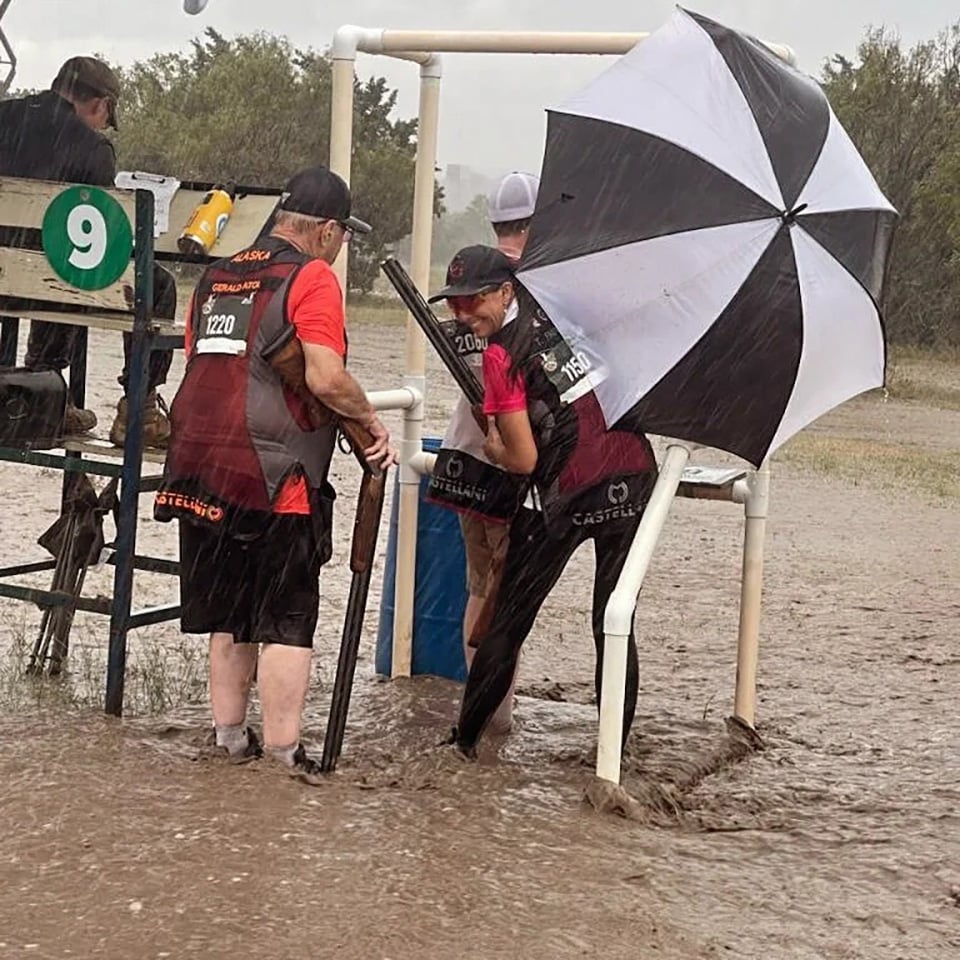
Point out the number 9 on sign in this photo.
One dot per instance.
(87, 238)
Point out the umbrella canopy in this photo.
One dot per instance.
(709, 240)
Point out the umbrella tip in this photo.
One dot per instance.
(789, 217)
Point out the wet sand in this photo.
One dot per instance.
(839, 839)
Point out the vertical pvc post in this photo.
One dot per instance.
(341, 137)
(751, 590)
(411, 445)
(618, 617)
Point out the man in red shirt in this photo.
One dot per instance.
(246, 470)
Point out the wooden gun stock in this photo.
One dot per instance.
(288, 361)
(363, 547)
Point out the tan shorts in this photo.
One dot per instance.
(486, 546)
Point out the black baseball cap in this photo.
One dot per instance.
(319, 192)
(90, 75)
(473, 270)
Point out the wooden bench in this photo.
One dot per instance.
(31, 289)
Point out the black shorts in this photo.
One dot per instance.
(265, 590)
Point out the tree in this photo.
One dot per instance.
(254, 110)
(902, 110)
(455, 230)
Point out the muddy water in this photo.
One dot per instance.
(840, 838)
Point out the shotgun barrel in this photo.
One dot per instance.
(430, 325)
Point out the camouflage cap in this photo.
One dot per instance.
(93, 75)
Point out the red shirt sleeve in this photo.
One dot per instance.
(315, 307)
(502, 391)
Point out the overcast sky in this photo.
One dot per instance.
(492, 106)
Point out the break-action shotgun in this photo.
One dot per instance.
(286, 358)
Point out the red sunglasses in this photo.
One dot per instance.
(469, 301)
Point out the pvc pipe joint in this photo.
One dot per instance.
(411, 446)
(432, 67)
(350, 38)
(757, 502)
(423, 462)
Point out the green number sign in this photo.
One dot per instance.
(86, 237)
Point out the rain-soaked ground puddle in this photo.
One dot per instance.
(396, 740)
(816, 842)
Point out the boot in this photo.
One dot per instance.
(77, 420)
(156, 426)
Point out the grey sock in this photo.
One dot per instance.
(233, 737)
(283, 754)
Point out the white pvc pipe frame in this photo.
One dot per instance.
(424, 47)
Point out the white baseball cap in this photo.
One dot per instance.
(513, 198)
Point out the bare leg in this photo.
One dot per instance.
(232, 666)
(282, 679)
(470, 616)
(502, 719)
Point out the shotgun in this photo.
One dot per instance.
(430, 325)
(286, 358)
(468, 383)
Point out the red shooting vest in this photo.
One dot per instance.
(237, 433)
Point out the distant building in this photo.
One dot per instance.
(461, 184)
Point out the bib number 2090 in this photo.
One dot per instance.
(86, 237)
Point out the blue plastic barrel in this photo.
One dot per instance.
(440, 594)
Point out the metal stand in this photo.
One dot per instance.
(145, 338)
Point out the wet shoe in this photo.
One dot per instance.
(461, 751)
(252, 751)
(156, 425)
(76, 420)
(306, 769)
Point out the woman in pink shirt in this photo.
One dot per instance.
(584, 481)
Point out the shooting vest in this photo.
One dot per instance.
(463, 478)
(586, 475)
(237, 434)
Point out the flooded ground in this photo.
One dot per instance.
(839, 839)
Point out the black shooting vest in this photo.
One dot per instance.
(586, 474)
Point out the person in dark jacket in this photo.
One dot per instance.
(56, 135)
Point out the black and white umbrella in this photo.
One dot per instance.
(710, 241)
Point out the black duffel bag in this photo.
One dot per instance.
(32, 404)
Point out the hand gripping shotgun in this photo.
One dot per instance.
(286, 358)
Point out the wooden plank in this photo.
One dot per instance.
(26, 275)
(24, 202)
(709, 483)
(91, 446)
(712, 476)
(249, 215)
